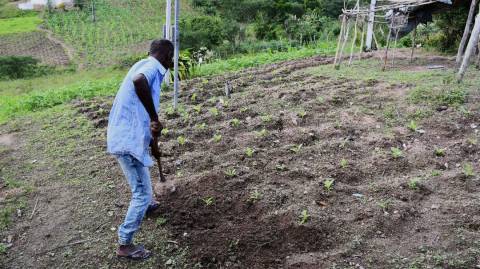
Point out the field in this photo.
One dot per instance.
(303, 167)
(19, 25)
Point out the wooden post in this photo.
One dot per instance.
(466, 32)
(388, 43)
(472, 43)
(395, 46)
(94, 17)
(354, 39)
(363, 39)
(347, 31)
(340, 40)
(168, 20)
(371, 21)
(176, 82)
(414, 37)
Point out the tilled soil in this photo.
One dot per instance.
(273, 209)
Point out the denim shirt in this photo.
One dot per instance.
(128, 129)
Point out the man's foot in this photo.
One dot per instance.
(133, 252)
(152, 207)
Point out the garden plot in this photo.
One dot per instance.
(304, 167)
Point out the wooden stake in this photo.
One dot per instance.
(470, 48)
(466, 32)
(388, 43)
(354, 39)
(371, 21)
(347, 31)
(363, 38)
(414, 36)
(340, 40)
(395, 46)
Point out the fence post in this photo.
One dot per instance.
(176, 82)
(371, 21)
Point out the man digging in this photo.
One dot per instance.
(132, 126)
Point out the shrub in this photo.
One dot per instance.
(205, 31)
(16, 67)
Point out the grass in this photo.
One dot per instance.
(19, 25)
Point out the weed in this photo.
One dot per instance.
(396, 152)
(254, 196)
(343, 163)
(249, 152)
(201, 126)
(5, 216)
(204, 81)
(413, 126)
(165, 132)
(302, 114)
(244, 109)
(472, 141)
(296, 148)
(208, 201)
(193, 98)
(385, 204)
(320, 99)
(212, 100)
(338, 124)
(224, 103)
(217, 138)
(3, 248)
(235, 122)
(161, 221)
(231, 172)
(262, 133)
(328, 184)
(468, 170)
(439, 152)
(304, 217)
(197, 108)
(214, 111)
(435, 173)
(11, 183)
(181, 140)
(413, 183)
(281, 167)
(170, 111)
(266, 118)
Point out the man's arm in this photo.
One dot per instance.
(143, 92)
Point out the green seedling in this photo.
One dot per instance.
(413, 183)
(472, 141)
(385, 204)
(262, 133)
(214, 111)
(204, 81)
(185, 116)
(343, 163)
(281, 167)
(3, 248)
(197, 109)
(244, 109)
(304, 217)
(224, 103)
(435, 173)
(170, 111)
(217, 138)
(396, 152)
(266, 118)
(320, 99)
(161, 221)
(338, 124)
(165, 132)
(231, 172)
(254, 197)
(193, 98)
(249, 152)
(439, 152)
(413, 126)
(328, 184)
(296, 148)
(181, 140)
(468, 170)
(208, 201)
(235, 122)
(201, 126)
(212, 100)
(302, 114)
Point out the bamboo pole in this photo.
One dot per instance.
(470, 48)
(363, 39)
(395, 46)
(354, 39)
(347, 32)
(414, 37)
(340, 39)
(466, 32)
(388, 43)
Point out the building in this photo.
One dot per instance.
(42, 4)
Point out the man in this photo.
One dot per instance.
(132, 124)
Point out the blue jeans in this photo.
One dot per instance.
(138, 177)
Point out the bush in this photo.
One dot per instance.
(205, 31)
(16, 67)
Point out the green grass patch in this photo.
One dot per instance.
(19, 25)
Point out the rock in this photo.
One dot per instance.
(169, 262)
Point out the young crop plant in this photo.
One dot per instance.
(181, 140)
(161, 221)
(413, 183)
(254, 196)
(266, 118)
(208, 201)
(212, 100)
(320, 99)
(3, 249)
(413, 126)
(197, 108)
(193, 98)
(385, 204)
(472, 141)
(343, 163)
(217, 138)
(435, 173)
(262, 133)
(224, 103)
(170, 111)
(396, 152)
(249, 152)
(302, 114)
(281, 167)
(235, 122)
(201, 126)
(328, 184)
(468, 170)
(296, 148)
(165, 132)
(304, 217)
(439, 152)
(244, 109)
(231, 172)
(214, 111)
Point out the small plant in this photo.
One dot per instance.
(302, 114)
(262, 133)
(212, 100)
(343, 163)
(396, 152)
(281, 167)
(3, 248)
(217, 138)
(185, 117)
(328, 184)
(204, 81)
(266, 118)
(472, 141)
(214, 111)
(208, 201)
(320, 99)
(304, 217)
(413, 126)
(161, 221)
(249, 152)
(165, 132)
(193, 98)
(385, 204)
(439, 152)
(468, 170)
(296, 148)
(197, 109)
(170, 111)
(244, 109)
(181, 140)
(201, 126)
(224, 103)
(231, 172)
(435, 173)
(235, 122)
(254, 197)
(413, 183)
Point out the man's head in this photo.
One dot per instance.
(162, 50)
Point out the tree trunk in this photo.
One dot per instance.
(466, 32)
(472, 43)
(371, 21)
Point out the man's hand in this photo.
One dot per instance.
(154, 149)
(156, 128)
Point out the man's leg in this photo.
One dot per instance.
(138, 178)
